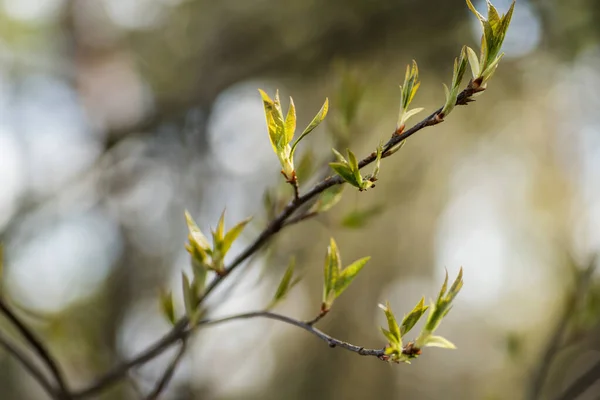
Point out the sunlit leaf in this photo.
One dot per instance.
(340, 157)
(233, 234)
(346, 277)
(345, 172)
(438, 341)
(473, 62)
(444, 288)
(456, 286)
(388, 335)
(313, 124)
(393, 327)
(290, 122)
(196, 235)
(409, 320)
(333, 266)
(275, 124)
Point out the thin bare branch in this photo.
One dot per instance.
(30, 366)
(332, 342)
(37, 346)
(582, 384)
(557, 338)
(168, 374)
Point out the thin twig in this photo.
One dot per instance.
(332, 342)
(582, 383)
(179, 331)
(168, 374)
(313, 321)
(37, 346)
(557, 339)
(29, 365)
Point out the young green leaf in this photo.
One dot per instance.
(166, 306)
(460, 66)
(219, 232)
(345, 172)
(333, 266)
(200, 272)
(189, 296)
(494, 32)
(285, 285)
(197, 239)
(233, 234)
(438, 341)
(388, 335)
(347, 275)
(409, 320)
(341, 159)
(275, 124)
(377, 162)
(290, 122)
(393, 328)
(313, 124)
(473, 62)
(408, 90)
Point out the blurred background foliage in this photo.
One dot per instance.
(115, 115)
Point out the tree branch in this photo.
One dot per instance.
(168, 374)
(179, 330)
(37, 346)
(30, 367)
(583, 383)
(557, 339)
(332, 342)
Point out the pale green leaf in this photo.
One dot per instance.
(443, 289)
(345, 172)
(285, 284)
(275, 124)
(473, 62)
(393, 327)
(333, 266)
(189, 297)
(348, 274)
(438, 341)
(456, 286)
(474, 10)
(313, 124)
(233, 234)
(200, 273)
(375, 173)
(410, 113)
(388, 335)
(409, 320)
(196, 235)
(290, 122)
(339, 157)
